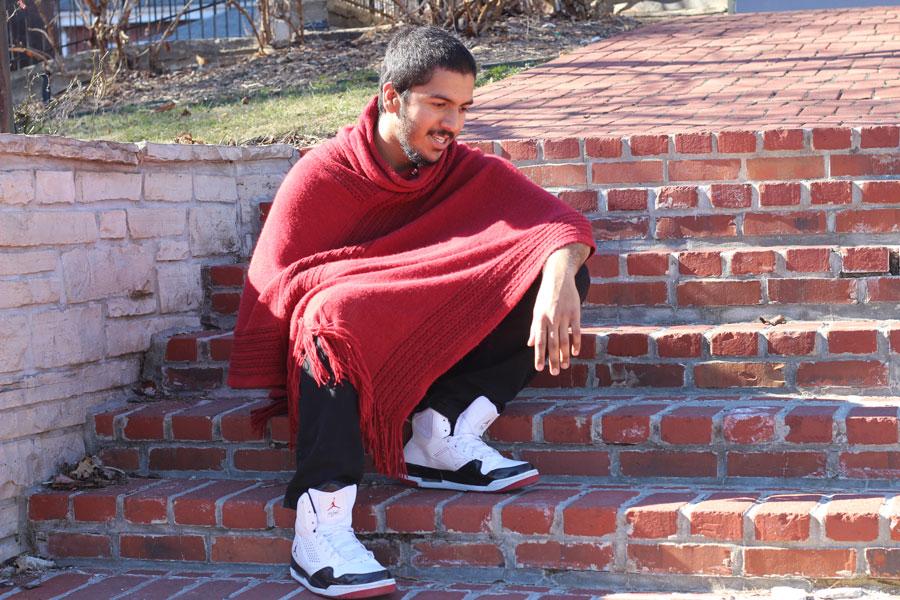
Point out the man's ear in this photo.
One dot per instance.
(390, 99)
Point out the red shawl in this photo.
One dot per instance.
(396, 278)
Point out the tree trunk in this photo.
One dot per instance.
(6, 105)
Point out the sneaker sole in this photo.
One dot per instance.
(501, 485)
(366, 590)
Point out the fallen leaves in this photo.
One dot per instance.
(89, 472)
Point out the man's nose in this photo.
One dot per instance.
(453, 121)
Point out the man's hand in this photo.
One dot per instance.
(556, 324)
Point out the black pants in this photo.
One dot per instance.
(329, 442)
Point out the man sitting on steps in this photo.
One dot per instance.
(400, 273)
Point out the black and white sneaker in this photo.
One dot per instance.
(461, 461)
(326, 557)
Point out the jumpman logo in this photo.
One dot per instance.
(334, 505)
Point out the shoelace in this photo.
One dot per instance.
(474, 447)
(344, 543)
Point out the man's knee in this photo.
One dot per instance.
(583, 282)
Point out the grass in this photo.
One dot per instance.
(299, 116)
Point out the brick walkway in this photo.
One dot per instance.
(754, 71)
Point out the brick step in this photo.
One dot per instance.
(609, 437)
(796, 355)
(649, 529)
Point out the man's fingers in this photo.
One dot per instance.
(553, 347)
(576, 337)
(540, 347)
(564, 344)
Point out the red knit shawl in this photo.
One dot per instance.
(396, 278)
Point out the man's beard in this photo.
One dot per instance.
(405, 131)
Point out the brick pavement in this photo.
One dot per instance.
(749, 71)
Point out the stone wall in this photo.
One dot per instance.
(101, 246)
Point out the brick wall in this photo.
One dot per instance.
(101, 247)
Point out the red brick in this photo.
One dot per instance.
(881, 136)
(455, 554)
(859, 338)
(225, 303)
(163, 547)
(580, 463)
(870, 465)
(533, 511)
(880, 192)
(556, 555)
(883, 562)
(560, 149)
(785, 168)
(783, 139)
(469, 513)
(194, 378)
(842, 373)
(517, 422)
(808, 260)
(196, 422)
(656, 515)
(784, 518)
(147, 423)
(852, 518)
(750, 425)
(872, 425)
(629, 199)
(865, 260)
(198, 507)
(247, 510)
(642, 375)
(127, 459)
(236, 426)
(734, 142)
(690, 559)
(264, 209)
(704, 170)
(831, 192)
(574, 376)
(663, 463)
(884, 220)
(215, 589)
(150, 506)
(620, 229)
(865, 165)
(884, 290)
(580, 200)
(603, 265)
(694, 143)
(95, 505)
(181, 348)
(248, 549)
(719, 293)
(48, 506)
(264, 459)
(629, 424)
(595, 513)
(485, 146)
(627, 344)
(790, 223)
(649, 145)
(628, 294)
(107, 587)
(570, 424)
(695, 227)
(799, 561)
(603, 147)
(810, 424)
(792, 342)
(721, 516)
(647, 263)
(677, 196)
(518, 149)
(831, 138)
(227, 275)
(723, 195)
(812, 291)
(688, 425)
(186, 459)
(680, 342)
(894, 336)
(220, 348)
(754, 262)
(368, 499)
(415, 512)
(735, 341)
(644, 171)
(702, 264)
(77, 545)
(775, 464)
(556, 175)
(779, 194)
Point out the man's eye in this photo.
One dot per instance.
(464, 108)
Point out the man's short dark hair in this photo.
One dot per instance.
(415, 52)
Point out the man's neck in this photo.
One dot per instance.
(388, 145)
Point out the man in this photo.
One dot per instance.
(402, 274)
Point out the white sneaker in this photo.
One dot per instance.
(326, 557)
(462, 461)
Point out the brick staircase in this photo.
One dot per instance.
(734, 412)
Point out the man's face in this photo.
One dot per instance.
(432, 115)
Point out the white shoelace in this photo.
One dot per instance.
(474, 447)
(345, 544)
